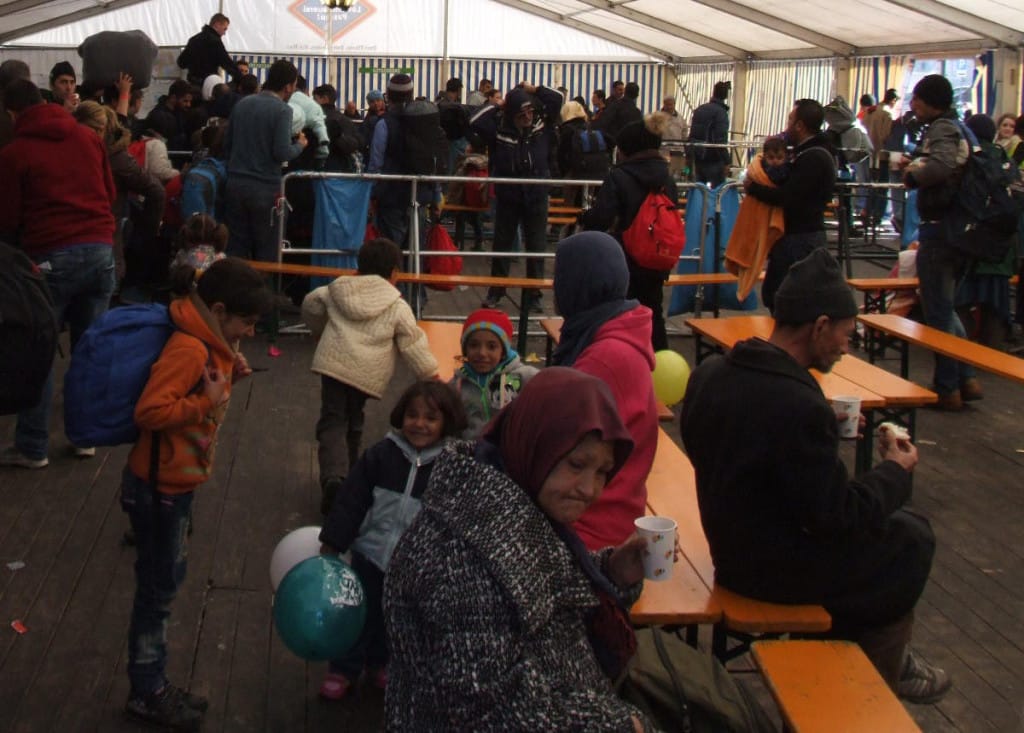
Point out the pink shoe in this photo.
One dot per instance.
(335, 686)
(273, 351)
(379, 678)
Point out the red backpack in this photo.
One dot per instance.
(657, 236)
(478, 193)
(438, 240)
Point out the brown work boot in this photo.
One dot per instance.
(950, 402)
(970, 390)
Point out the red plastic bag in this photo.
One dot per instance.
(438, 240)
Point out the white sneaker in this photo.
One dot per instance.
(81, 452)
(11, 456)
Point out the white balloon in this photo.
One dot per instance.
(296, 546)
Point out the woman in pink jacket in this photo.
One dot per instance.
(608, 336)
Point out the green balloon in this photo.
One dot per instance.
(320, 608)
(671, 373)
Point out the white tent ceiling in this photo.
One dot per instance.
(669, 30)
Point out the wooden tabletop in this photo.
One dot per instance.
(991, 360)
(445, 339)
(883, 283)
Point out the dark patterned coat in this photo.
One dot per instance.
(485, 613)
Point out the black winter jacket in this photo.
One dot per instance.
(807, 191)
(710, 124)
(516, 153)
(784, 520)
(204, 54)
(379, 499)
(616, 116)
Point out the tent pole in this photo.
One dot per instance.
(445, 63)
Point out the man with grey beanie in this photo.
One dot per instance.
(934, 172)
(784, 520)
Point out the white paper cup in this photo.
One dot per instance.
(849, 406)
(659, 556)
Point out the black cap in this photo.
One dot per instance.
(814, 287)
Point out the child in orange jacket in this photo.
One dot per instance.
(179, 414)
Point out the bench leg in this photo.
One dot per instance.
(866, 443)
(524, 322)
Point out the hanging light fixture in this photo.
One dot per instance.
(342, 4)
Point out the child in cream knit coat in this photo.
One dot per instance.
(362, 323)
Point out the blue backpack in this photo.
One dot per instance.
(200, 188)
(109, 369)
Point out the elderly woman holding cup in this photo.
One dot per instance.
(498, 617)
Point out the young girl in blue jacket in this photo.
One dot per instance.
(376, 504)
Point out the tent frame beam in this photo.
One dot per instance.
(657, 24)
(98, 9)
(780, 25)
(965, 21)
(589, 29)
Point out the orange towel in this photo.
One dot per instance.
(757, 229)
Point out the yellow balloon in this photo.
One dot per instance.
(671, 373)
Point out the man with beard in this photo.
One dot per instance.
(803, 197)
(784, 521)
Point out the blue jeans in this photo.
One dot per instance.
(160, 522)
(939, 270)
(81, 280)
(251, 217)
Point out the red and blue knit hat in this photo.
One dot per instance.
(489, 319)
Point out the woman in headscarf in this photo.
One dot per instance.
(498, 617)
(609, 337)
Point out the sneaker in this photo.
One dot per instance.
(11, 456)
(196, 702)
(80, 452)
(950, 402)
(328, 490)
(492, 300)
(379, 678)
(970, 390)
(167, 708)
(922, 683)
(335, 686)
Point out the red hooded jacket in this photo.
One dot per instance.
(58, 189)
(622, 357)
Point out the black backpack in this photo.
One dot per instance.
(985, 211)
(424, 144)
(589, 159)
(28, 331)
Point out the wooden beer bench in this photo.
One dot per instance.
(451, 281)
(672, 492)
(884, 328)
(829, 687)
(876, 289)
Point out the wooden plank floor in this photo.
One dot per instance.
(74, 593)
